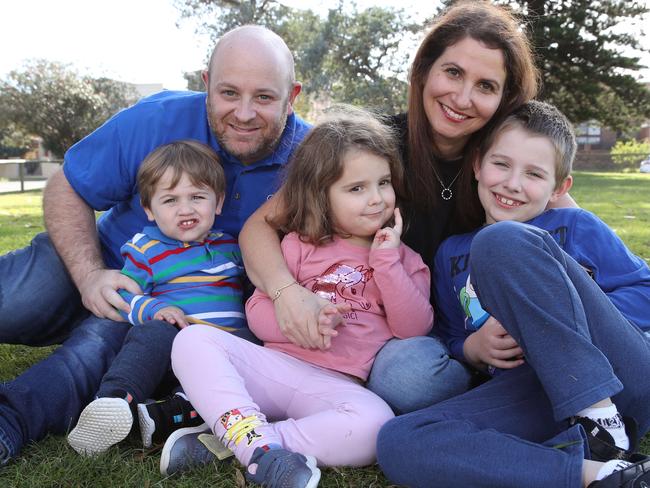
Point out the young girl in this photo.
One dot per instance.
(282, 408)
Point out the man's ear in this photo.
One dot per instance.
(219, 205)
(149, 213)
(205, 76)
(562, 189)
(295, 90)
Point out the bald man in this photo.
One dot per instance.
(63, 287)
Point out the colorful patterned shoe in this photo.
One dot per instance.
(279, 468)
(103, 423)
(159, 419)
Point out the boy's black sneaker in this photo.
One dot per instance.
(635, 476)
(160, 418)
(601, 442)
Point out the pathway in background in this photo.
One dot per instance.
(14, 186)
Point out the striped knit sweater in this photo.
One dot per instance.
(201, 278)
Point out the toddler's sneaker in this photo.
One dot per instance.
(279, 468)
(633, 476)
(184, 451)
(103, 423)
(159, 419)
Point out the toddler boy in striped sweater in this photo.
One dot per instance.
(188, 273)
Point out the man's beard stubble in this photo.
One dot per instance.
(264, 148)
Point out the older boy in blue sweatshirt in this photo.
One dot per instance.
(557, 314)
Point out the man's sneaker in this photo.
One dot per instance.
(103, 423)
(634, 476)
(279, 468)
(601, 442)
(159, 419)
(184, 451)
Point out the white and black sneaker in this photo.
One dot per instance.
(103, 423)
(601, 443)
(159, 419)
(635, 475)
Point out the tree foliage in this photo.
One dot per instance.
(629, 153)
(360, 60)
(346, 56)
(583, 48)
(53, 101)
(14, 141)
(194, 80)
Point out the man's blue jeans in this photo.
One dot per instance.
(40, 305)
(513, 431)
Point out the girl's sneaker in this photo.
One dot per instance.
(184, 451)
(103, 423)
(159, 419)
(279, 468)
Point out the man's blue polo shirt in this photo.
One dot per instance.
(102, 167)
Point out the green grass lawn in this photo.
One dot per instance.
(621, 200)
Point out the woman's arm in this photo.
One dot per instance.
(296, 309)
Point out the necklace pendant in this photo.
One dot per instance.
(446, 194)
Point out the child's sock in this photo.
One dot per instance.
(242, 430)
(610, 466)
(610, 420)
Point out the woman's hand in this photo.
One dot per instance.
(491, 345)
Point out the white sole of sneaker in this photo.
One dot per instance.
(147, 425)
(169, 443)
(315, 477)
(103, 423)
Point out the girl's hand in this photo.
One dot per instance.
(329, 318)
(172, 315)
(389, 237)
(491, 345)
(297, 312)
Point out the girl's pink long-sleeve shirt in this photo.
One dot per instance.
(388, 290)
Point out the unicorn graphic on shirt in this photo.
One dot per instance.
(342, 282)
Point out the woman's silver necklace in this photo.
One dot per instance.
(446, 192)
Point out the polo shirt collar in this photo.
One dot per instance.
(154, 232)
